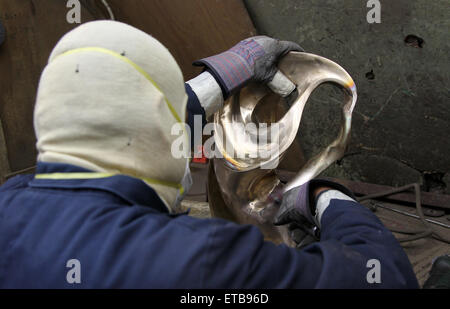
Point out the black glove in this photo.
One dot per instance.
(299, 203)
(303, 234)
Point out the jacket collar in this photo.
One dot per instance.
(130, 189)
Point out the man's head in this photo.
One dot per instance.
(107, 101)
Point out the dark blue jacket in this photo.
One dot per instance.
(123, 237)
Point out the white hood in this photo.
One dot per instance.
(107, 101)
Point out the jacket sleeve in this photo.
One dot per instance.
(195, 112)
(352, 239)
(205, 97)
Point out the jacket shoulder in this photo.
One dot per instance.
(17, 182)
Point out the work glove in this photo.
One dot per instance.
(299, 203)
(302, 233)
(253, 59)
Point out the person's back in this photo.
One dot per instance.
(123, 237)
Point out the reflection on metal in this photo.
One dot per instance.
(244, 186)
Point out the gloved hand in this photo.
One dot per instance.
(299, 203)
(253, 59)
(303, 233)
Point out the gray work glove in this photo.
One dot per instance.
(253, 59)
(299, 203)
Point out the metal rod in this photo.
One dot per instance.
(20, 172)
(108, 8)
(413, 216)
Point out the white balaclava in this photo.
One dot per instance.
(107, 101)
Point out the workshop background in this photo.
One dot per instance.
(401, 124)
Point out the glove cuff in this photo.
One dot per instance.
(229, 69)
(315, 183)
(234, 68)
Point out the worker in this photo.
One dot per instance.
(102, 210)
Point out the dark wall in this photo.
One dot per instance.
(401, 124)
(32, 29)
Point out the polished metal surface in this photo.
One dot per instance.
(246, 173)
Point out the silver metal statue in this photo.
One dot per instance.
(241, 183)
